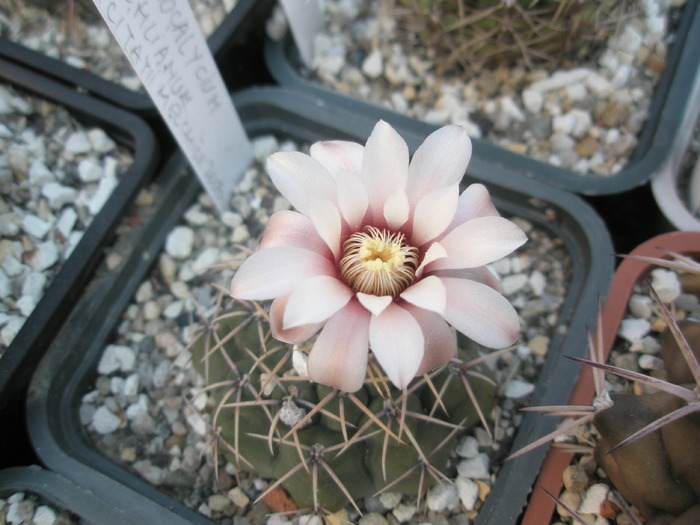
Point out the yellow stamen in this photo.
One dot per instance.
(378, 262)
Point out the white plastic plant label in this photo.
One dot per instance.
(167, 50)
(305, 18)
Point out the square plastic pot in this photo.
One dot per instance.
(70, 367)
(21, 357)
(667, 109)
(230, 44)
(628, 274)
(60, 494)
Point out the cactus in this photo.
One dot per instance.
(491, 33)
(648, 443)
(325, 446)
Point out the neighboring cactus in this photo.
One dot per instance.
(490, 33)
(648, 444)
(328, 447)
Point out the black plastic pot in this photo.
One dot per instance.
(668, 106)
(69, 369)
(231, 43)
(61, 494)
(21, 357)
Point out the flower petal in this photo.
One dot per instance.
(326, 220)
(397, 341)
(384, 165)
(478, 242)
(339, 355)
(474, 202)
(434, 252)
(290, 228)
(428, 293)
(352, 197)
(315, 300)
(396, 209)
(481, 313)
(433, 213)
(480, 274)
(295, 335)
(374, 303)
(440, 161)
(277, 271)
(338, 155)
(440, 340)
(302, 180)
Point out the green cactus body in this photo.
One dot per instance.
(325, 446)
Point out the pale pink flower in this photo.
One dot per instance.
(382, 254)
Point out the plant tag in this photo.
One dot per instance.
(305, 19)
(163, 42)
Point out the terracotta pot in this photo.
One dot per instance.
(628, 273)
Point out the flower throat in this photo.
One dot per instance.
(378, 262)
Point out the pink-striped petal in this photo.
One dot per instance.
(384, 165)
(295, 335)
(481, 313)
(440, 340)
(440, 161)
(428, 293)
(290, 228)
(478, 242)
(314, 300)
(339, 355)
(376, 304)
(434, 213)
(397, 341)
(277, 271)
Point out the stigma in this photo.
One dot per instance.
(378, 262)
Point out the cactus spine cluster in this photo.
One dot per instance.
(326, 447)
(488, 33)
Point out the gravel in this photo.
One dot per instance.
(584, 118)
(84, 41)
(163, 431)
(23, 508)
(55, 176)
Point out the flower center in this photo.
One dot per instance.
(378, 262)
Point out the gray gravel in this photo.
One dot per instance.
(584, 118)
(55, 176)
(23, 508)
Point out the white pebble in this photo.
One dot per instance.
(197, 423)
(77, 143)
(533, 99)
(442, 496)
(180, 242)
(34, 226)
(403, 512)
(640, 306)
(372, 65)
(104, 190)
(650, 362)
(39, 174)
(58, 195)
(474, 468)
(89, 170)
(516, 389)
(633, 330)
(34, 284)
(104, 421)
(66, 221)
(512, 283)
(100, 141)
(468, 447)
(468, 492)
(116, 357)
(561, 79)
(44, 515)
(666, 284)
(45, 256)
(26, 305)
(594, 498)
